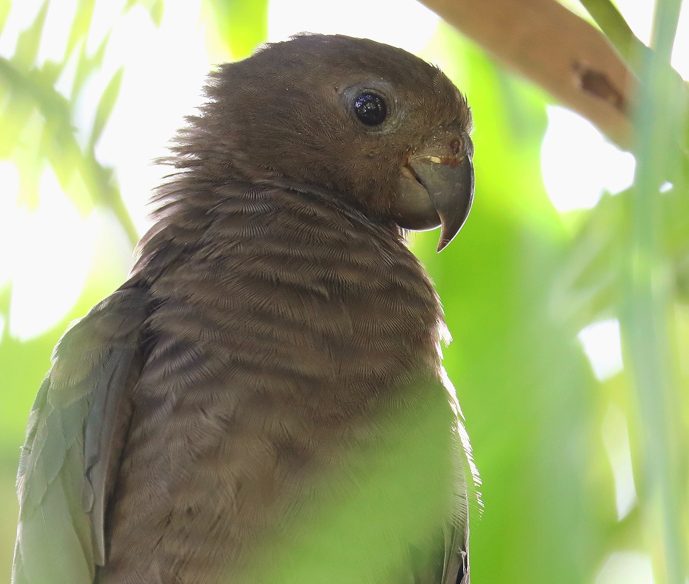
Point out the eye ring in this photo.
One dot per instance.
(370, 108)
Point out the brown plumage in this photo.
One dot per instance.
(275, 331)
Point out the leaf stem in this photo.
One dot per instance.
(646, 304)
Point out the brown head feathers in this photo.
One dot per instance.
(286, 116)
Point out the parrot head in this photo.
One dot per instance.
(358, 121)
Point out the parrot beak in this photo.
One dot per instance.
(437, 188)
(450, 187)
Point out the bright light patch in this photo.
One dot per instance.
(65, 81)
(58, 24)
(601, 343)
(22, 15)
(626, 568)
(680, 52)
(639, 17)
(413, 27)
(579, 164)
(161, 85)
(616, 440)
(52, 248)
(9, 181)
(105, 14)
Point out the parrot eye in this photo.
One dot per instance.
(370, 108)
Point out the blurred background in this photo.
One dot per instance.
(566, 292)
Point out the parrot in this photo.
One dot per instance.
(264, 399)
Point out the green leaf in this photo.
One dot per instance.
(647, 321)
(80, 25)
(5, 6)
(29, 41)
(18, 106)
(105, 106)
(590, 284)
(49, 73)
(240, 25)
(87, 64)
(156, 11)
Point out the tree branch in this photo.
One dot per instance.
(616, 29)
(556, 49)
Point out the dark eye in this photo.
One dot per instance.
(370, 108)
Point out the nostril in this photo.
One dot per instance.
(455, 145)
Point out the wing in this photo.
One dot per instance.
(456, 564)
(456, 547)
(74, 439)
(444, 559)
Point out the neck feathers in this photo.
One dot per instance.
(304, 286)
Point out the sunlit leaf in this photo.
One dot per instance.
(5, 6)
(49, 72)
(18, 108)
(590, 285)
(240, 25)
(30, 40)
(87, 64)
(105, 105)
(80, 25)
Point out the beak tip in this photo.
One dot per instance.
(448, 231)
(442, 244)
(450, 188)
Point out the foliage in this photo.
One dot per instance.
(517, 286)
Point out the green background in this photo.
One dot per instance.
(517, 286)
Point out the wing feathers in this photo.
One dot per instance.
(76, 431)
(104, 440)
